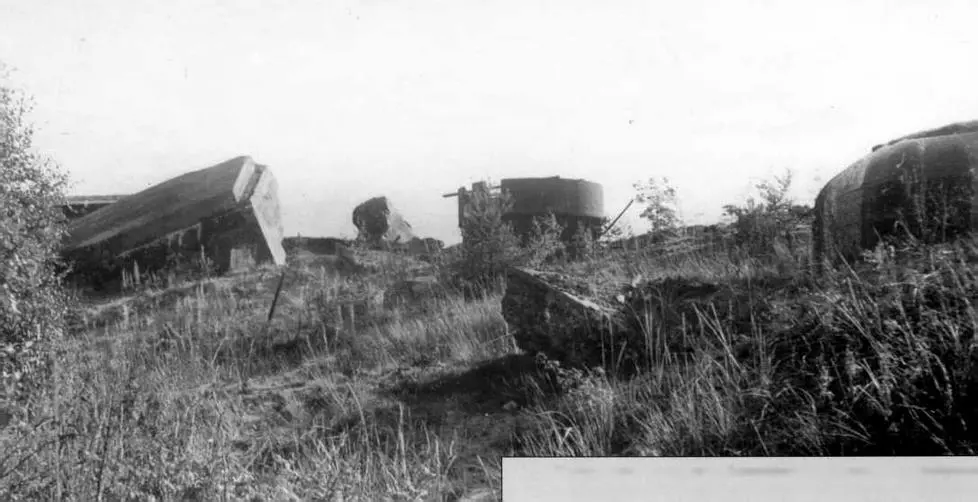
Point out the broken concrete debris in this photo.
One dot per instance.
(380, 225)
(227, 214)
(569, 319)
(549, 315)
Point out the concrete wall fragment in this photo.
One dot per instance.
(228, 212)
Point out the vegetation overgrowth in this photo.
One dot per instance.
(32, 304)
(195, 391)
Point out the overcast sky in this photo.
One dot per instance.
(346, 99)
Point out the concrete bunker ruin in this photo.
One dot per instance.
(922, 184)
(576, 203)
(228, 213)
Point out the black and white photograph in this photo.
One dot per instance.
(479, 250)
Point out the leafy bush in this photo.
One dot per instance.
(582, 245)
(544, 242)
(489, 244)
(661, 208)
(760, 226)
(32, 305)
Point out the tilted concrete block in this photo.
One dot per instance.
(228, 212)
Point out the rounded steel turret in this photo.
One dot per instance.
(923, 184)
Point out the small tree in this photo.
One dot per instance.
(582, 244)
(544, 241)
(661, 207)
(769, 217)
(32, 305)
(488, 243)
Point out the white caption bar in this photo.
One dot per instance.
(698, 479)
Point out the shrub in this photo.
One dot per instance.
(32, 302)
(661, 207)
(762, 224)
(544, 243)
(582, 245)
(489, 244)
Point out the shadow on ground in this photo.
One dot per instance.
(481, 407)
(489, 387)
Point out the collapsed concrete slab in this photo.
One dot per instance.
(554, 315)
(228, 213)
(587, 321)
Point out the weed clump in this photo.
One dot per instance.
(889, 354)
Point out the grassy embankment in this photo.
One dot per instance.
(191, 394)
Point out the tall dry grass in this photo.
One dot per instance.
(155, 398)
(193, 395)
(877, 359)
